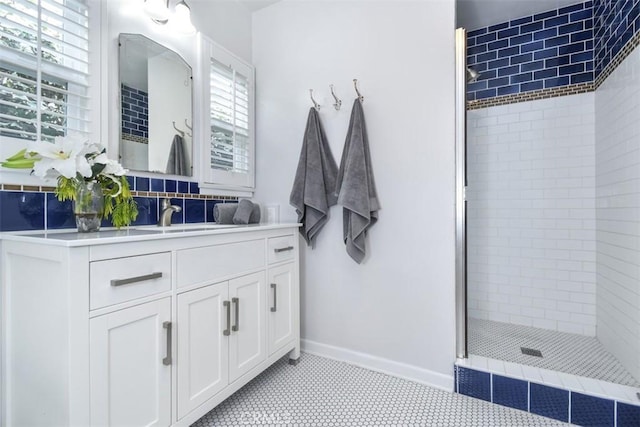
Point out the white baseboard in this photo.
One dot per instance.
(378, 364)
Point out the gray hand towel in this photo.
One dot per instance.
(177, 162)
(243, 213)
(313, 188)
(356, 187)
(223, 213)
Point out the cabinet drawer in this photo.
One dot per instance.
(281, 248)
(118, 280)
(213, 263)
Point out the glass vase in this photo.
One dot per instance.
(88, 206)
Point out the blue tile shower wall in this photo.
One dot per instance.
(615, 22)
(563, 405)
(135, 112)
(37, 210)
(547, 50)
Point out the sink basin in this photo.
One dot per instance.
(185, 227)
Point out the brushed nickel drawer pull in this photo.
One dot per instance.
(227, 331)
(236, 327)
(120, 282)
(278, 250)
(275, 298)
(167, 360)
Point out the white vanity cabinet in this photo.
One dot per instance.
(142, 328)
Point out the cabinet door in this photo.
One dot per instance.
(202, 346)
(130, 366)
(247, 343)
(280, 314)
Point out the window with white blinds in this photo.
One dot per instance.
(44, 71)
(231, 108)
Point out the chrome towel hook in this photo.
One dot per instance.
(315, 104)
(355, 85)
(338, 102)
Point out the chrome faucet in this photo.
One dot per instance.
(167, 210)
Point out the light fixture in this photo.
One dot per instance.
(158, 11)
(182, 19)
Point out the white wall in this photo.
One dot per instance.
(396, 310)
(618, 212)
(531, 216)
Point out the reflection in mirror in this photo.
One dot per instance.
(156, 108)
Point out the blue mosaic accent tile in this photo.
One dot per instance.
(510, 392)
(542, 42)
(549, 402)
(178, 217)
(591, 411)
(209, 209)
(147, 211)
(194, 210)
(157, 185)
(59, 214)
(21, 211)
(194, 188)
(135, 111)
(142, 183)
(628, 415)
(474, 383)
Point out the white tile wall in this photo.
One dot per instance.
(531, 216)
(618, 212)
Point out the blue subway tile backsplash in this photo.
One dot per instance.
(577, 41)
(21, 211)
(135, 111)
(526, 43)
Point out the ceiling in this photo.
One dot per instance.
(474, 14)
(254, 5)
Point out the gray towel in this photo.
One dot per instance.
(313, 188)
(356, 187)
(223, 213)
(243, 213)
(177, 162)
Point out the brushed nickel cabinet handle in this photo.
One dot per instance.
(227, 331)
(167, 360)
(275, 298)
(120, 282)
(236, 327)
(278, 250)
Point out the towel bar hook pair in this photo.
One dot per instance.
(180, 131)
(338, 102)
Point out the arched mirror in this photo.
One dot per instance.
(156, 114)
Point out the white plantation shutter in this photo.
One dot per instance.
(44, 71)
(231, 160)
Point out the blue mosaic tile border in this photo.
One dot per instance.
(551, 402)
(37, 208)
(615, 23)
(135, 112)
(547, 50)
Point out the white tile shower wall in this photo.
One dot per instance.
(618, 212)
(531, 216)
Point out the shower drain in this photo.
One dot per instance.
(531, 352)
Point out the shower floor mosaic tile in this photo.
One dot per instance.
(563, 352)
(324, 392)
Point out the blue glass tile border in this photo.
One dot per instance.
(551, 402)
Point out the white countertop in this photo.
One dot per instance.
(71, 238)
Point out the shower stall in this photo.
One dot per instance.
(548, 210)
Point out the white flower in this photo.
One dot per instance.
(65, 156)
(111, 166)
